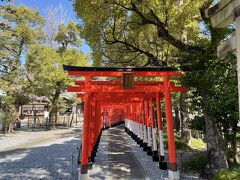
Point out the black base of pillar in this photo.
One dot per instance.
(90, 163)
(92, 159)
(149, 151)
(84, 168)
(155, 156)
(162, 163)
(141, 143)
(135, 137)
(137, 140)
(94, 153)
(144, 146)
(172, 166)
(131, 134)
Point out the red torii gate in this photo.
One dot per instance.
(135, 106)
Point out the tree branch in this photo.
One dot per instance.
(162, 31)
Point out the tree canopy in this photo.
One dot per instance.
(29, 65)
(144, 31)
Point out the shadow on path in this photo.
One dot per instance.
(53, 161)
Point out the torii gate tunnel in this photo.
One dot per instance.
(109, 103)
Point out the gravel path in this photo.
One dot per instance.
(40, 155)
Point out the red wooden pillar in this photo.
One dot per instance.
(85, 133)
(94, 130)
(139, 122)
(172, 165)
(162, 162)
(99, 122)
(106, 117)
(103, 115)
(134, 121)
(91, 128)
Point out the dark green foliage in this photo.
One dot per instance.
(198, 123)
(196, 163)
(232, 174)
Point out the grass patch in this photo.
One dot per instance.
(196, 163)
(197, 143)
(180, 144)
(231, 174)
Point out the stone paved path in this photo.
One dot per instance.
(115, 159)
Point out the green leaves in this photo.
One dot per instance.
(29, 66)
(68, 35)
(139, 32)
(20, 27)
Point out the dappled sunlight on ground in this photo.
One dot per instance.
(50, 160)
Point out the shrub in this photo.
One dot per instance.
(196, 163)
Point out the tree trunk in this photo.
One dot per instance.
(56, 115)
(71, 120)
(34, 118)
(3, 126)
(234, 142)
(54, 111)
(184, 116)
(176, 119)
(215, 145)
(10, 127)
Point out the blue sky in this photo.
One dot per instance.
(42, 5)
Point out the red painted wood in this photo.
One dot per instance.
(117, 74)
(170, 130)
